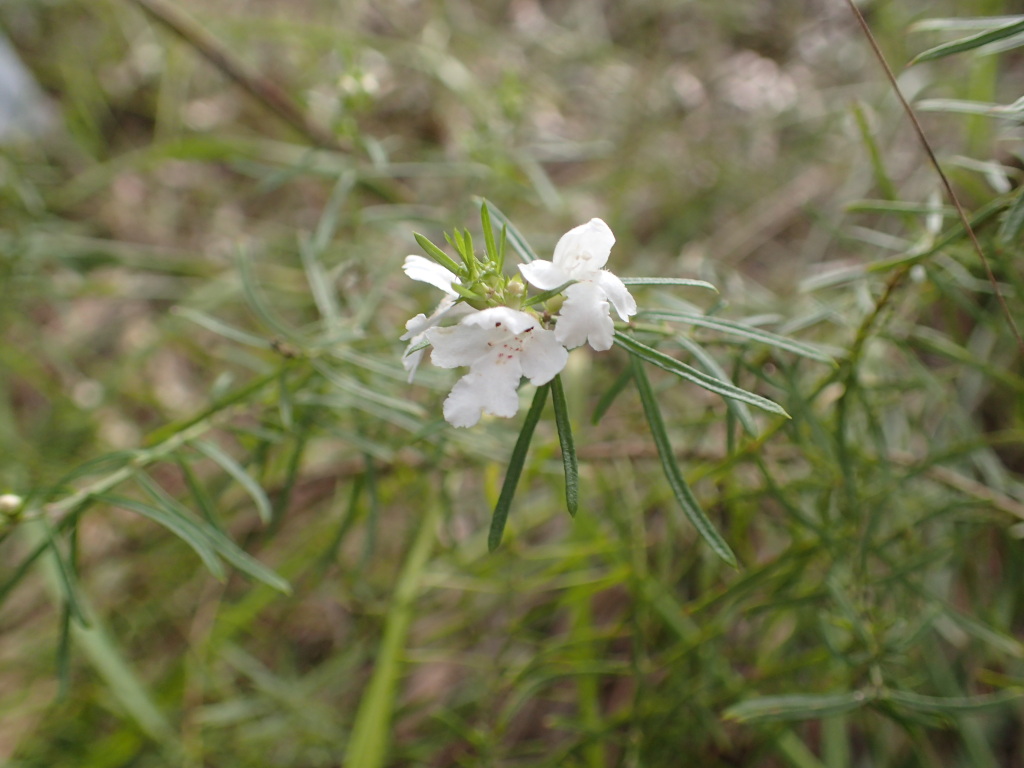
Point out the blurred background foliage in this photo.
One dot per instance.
(203, 213)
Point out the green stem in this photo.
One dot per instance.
(371, 734)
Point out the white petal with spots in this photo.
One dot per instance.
(500, 346)
(585, 316)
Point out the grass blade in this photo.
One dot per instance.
(569, 461)
(684, 496)
(515, 468)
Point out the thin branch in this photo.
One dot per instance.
(938, 169)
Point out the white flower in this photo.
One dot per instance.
(416, 329)
(427, 271)
(500, 345)
(580, 255)
(10, 503)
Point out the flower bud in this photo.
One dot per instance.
(10, 503)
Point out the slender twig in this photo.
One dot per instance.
(264, 90)
(938, 169)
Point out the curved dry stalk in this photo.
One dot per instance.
(938, 169)
(261, 88)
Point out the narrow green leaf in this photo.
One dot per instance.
(485, 224)
(962, 23)
(184, 528)
(515, 468)
(518, 242)
(470, 251)
(501, 248)
(878, 166)
(950, 705)
(285, 403)
(897, 206)
(205, 503)
(362, 391)
(684, 496)
(93, 640)
(739, 409)
(680, 281)
(257, 302)
(1013, 222)
(243, 478)
(437, 254)
(569, 461)
(221, 328)
(328, 224)
(971, 42)
(800, 706)
(742, 330)
(66, 574)
(958, 106)
(545, 295)
(324, 294)
(466, 293)
(214, 538)
(797, 753)
(22, 569)
(63, 661)
(701, 379)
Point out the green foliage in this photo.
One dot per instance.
(246, 540)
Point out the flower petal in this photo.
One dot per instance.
(427, 271)
(618, 294)
(458, 345)
(416, 326)
(584, 249)
(503, 319)
(544, 274)
(447, 309)
(542, 357)
(487, 388)
(416, 330)
(584, 318)
(411, 360)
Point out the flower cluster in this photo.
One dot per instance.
(488, 322)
